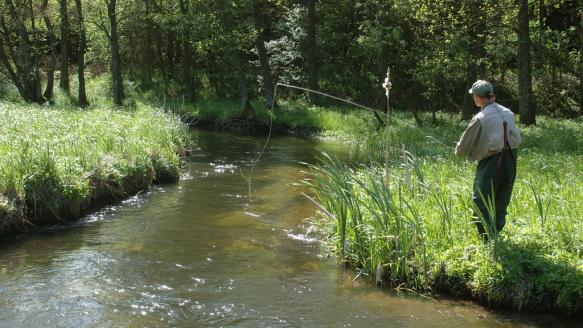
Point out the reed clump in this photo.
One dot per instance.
(58, 162)
(419, 230)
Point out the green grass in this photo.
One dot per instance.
(330, 122)
(58, 161)
(419, 230)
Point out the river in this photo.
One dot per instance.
(202, 253)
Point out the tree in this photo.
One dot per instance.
(477, 52)
(311, 51)
(82, 98)
(19, 52)
(233, 42)
(262, 53)
(116, 73)
(187, 77)
(527, 112)
(48, 94)
(64, 81)
(581, 59)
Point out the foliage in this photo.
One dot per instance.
(419, 230)
(355, 41)
(60, 161)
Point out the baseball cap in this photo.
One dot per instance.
(482, 88)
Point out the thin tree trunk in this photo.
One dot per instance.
(37, 89)
(581, 61)
(64, 81)
(477, 51)
(468, 106)
(246, 107)
(147, 55)
(170, 51)
(116, 75)
(82, 100)
(540, 40)
(262, 53)
(311, 52)
(48, 94)
(187, 77)
(527, 112)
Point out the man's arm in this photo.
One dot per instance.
(470, 136)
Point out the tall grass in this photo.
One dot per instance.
(55, 162)
(421, 232)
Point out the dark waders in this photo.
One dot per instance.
(495, 174)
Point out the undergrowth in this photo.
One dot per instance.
(418, 233)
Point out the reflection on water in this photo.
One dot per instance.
(201, 253)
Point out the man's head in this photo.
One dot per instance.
(483, 92)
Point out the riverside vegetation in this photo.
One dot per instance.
(418, 233)
(57, 162)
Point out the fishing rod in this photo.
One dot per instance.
(428, 135)
(387, 113)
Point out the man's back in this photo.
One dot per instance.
(492, 118)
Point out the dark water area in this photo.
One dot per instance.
(201, 253)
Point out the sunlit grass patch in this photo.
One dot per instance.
(56, 162)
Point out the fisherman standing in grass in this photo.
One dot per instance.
(491, 138)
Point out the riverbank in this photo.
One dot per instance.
(288, 118)
(57, 163)
(418, 234)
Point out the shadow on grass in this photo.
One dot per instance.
(535, 280)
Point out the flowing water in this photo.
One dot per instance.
(200, 253)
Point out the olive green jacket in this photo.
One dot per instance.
(484, 136)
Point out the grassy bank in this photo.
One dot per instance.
(418, 233)
(58, 162)
(290, 117)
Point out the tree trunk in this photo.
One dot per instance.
(262, 53)
(581, 62)
(468, 106)
(5, 58)
(311, 52)
(540, 40)
(171, 52)
(116, 76)
(82, 101)
(477, 51)
(64, 81)
(48, 94)
(246, 107)
(146, 70)
(527, 112)
(22, 67)
(37, 89)
(187, 77)
(233, 49)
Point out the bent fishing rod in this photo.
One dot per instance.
(387, 113)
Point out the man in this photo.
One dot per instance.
(491, 139)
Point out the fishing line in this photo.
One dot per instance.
(250, 177)
(428, 135)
